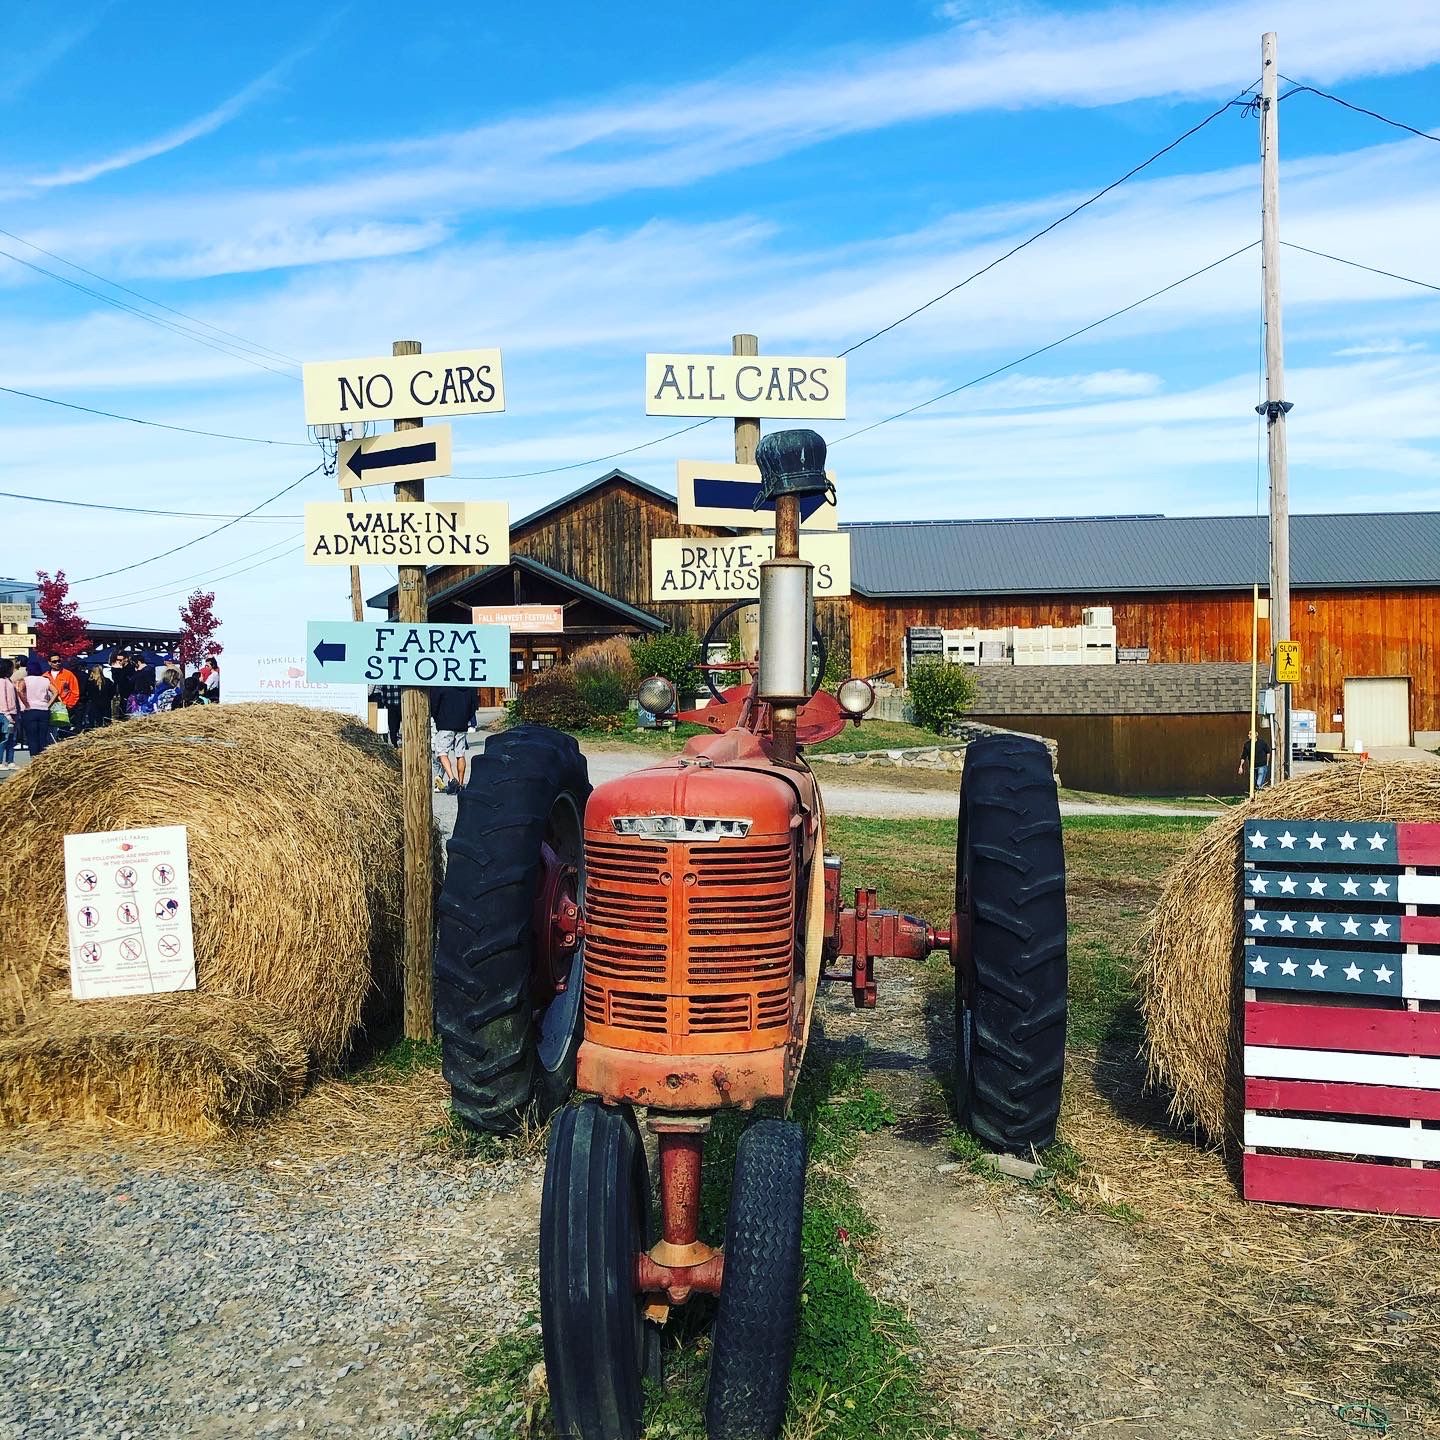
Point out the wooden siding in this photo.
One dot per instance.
(1142, 754)
(1351, 632)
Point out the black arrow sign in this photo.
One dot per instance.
(329, 650)
(740, 495)
(417, 454)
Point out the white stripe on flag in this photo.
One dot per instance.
(1341, 1137)
(1275, 1062)
(1417, 889)
(1420, 976)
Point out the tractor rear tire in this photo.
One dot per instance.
(594, 1219)
(753, 1344)
(1010, 877)
(502, 1059)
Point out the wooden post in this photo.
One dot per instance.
(357, 610)
(416, 803)
(747, 437)
(1254, 679)
(1276, 407)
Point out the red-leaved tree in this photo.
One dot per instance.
(197, 625)
(60, 629)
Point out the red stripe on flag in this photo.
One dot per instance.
(1343, 1027)
(1418, 844)
(1420, 929)
(1331, 1097)
(1343, 1185)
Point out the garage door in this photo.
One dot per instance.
(1377, 711)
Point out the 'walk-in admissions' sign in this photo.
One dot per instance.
(421, 532)
(403, 387)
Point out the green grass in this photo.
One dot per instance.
(876, 735)
(664, 741)
(401, 1060)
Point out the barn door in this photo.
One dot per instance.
(1377, 711)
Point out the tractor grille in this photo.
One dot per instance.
(689, 948)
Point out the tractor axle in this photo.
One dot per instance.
(680, 1263)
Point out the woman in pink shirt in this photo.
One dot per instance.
(36, 697)
(9, 715)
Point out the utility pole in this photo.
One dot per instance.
(747, 437)
(357, 605)
(1276, 407)
(416, 802)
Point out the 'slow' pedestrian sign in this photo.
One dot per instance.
(394, 653)
(1287, 662)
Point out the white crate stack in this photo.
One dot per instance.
(1092, 642)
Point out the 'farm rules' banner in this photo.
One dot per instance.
(730, 569)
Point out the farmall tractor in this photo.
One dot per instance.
(656, 944)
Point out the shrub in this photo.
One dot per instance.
(603, 692)
(606, 657)
(673, 655)
(940, 693)
(553, 699)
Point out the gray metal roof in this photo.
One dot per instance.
(1107, 555)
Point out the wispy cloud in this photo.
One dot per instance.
(1383, 347)
(24, 66)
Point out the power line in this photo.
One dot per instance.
(162, 587)
(1302, 89)
(1356, 265)
(158, 304)
(598, 460)
(1054, 344)
(175, 549)
(1060, 220)
(245, 570)
(154, 424)
(139, 509)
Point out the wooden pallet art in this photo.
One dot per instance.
(1342, 1015)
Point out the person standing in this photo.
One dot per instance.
(67, 693)
(210, 680)
(100, 698)
(9, 715)
(387, 698)
(452, 708)
(36, 697)
(123, 679)
(1261, 759)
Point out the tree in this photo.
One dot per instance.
(197, 625)
(60, 630)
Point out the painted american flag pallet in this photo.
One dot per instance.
(1342, 1015)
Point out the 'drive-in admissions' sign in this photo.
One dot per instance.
(403, 387)
(378, 653)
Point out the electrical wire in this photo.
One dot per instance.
(164, 585)
(598, 460)
(155, 424)
(1356, 265)
(142, 509)
(130, 604)
(175, 549)
(158, 304)
(1054, 344)
(1302, 89)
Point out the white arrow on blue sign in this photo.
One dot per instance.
(380, 653)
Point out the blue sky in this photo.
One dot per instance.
(583, 183)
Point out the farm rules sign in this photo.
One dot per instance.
(780, 387)
(419, 532)
(730, 569)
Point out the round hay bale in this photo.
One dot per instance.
(293, 824)
(1190, 986)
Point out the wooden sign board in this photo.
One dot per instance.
(721, 494)
(393, 459)
(15, 615)
(430, 532)
(730, 569)
(403, 387)
(523, 619)
(782, 387)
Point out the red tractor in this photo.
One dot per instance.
(657, 945)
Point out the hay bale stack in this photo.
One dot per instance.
(1189, 981)
(293, 827)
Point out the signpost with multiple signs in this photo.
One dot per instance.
(430, 532)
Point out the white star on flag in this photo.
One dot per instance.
(1317, 886)
(1258, 840)
(1383, 974)
(1287, 886)
(1316, 925)
(1350, 886)
(1260, 885)
(1316, 841)
(1288, 966)
(1285, 923)
(1257, 922)
(1353, 972)
(1260, 966)
(1379, 887)
(1287, 840)
(1347, 841)
(1350, 925)
(1377, 841)
(1317, 969)
(1380, 927)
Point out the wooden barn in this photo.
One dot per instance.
(1365, 592)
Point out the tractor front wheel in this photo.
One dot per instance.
(753, 1343)
(594, 1221)
(1010, 995)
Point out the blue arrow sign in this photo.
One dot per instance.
(740, 495)
(380, 653)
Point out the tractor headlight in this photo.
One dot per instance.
(855, 696)
(656, 694)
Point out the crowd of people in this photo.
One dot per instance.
(42, 702)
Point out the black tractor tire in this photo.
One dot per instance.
(1010, 873)
(594, 1219)
(753, 1343)
(500, 1059)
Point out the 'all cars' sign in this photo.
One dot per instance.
(788, 387)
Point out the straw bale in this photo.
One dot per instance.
(1189, 979)
(292, 817)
